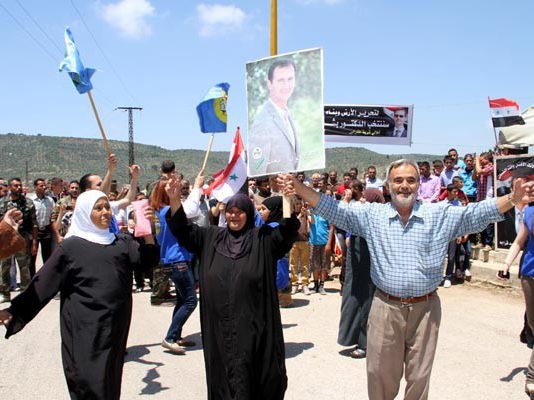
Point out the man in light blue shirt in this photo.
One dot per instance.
(469, 176)
(407, 242)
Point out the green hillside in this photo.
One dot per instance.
(70, 158)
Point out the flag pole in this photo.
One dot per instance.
(274, 27)
(207, 154)
(494, 130)
(286, 201)
(104, 138)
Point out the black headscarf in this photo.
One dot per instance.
(274, 204)
(236, 244)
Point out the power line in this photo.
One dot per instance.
(103, 53)
(39, 26)
(21, 26)
(447, 144)
(465, 104)
(54, 59)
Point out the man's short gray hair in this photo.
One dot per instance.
(398, 163)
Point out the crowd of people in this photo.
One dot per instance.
(395, 239)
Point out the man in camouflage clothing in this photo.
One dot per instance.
(28, 230)
(63, 211)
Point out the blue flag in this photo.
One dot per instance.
(81, 77)
(212, 110)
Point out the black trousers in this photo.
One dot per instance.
(44, 238)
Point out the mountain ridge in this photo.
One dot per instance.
(39, 156)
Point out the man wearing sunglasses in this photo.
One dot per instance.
(400, 129)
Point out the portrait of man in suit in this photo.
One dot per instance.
(400, 129)
(285, 113)
(273, 140)
(509, 169)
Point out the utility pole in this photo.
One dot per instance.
(131, 155)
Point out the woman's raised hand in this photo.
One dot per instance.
(173, 188)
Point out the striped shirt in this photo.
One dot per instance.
(407, 260)
(43, 209)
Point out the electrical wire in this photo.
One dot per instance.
(103, 53)
(21, 26)
(40, 28)
(43, 47)
(465, 104)
(446, 144)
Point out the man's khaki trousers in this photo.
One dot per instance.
(401, 338)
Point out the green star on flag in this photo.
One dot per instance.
(233, 177)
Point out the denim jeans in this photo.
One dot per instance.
(452, 252)
(186, 299)
(486, 236)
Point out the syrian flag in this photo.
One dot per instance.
(228, 181)
(505, 112)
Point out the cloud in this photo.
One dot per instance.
(217, 18)
(129, 17)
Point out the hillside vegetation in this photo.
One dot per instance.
(70, 158)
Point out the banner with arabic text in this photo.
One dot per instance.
(378, 124)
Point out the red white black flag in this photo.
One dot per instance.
(228, 181)
(505, 112)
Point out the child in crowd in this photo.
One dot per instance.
(320, 250)
(300, 252)
(458, 182)
(453, 253)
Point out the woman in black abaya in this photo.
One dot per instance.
(358, 289)
(92, 268)
(240, 318)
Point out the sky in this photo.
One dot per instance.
(444, 57)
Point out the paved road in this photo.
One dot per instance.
(478, 357)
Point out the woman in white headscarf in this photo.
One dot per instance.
(92, 269)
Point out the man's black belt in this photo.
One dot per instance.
(407, 300)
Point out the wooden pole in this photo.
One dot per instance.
(286, 202)
(274, 27)
(207, 155)
(104, 138)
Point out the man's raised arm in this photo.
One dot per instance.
(112, 165)
(130, 197)
(293, 186)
